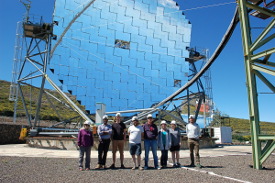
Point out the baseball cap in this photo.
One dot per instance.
(149, 116)
(163, 122)
(105, 117)
(173, 122)
(118, 114)
(134, 118)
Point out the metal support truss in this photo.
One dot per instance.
(169, 108)
(199, 85)
(255, 65)
(38, 38)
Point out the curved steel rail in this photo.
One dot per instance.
(215, 55)
(217, 52)
(69, 25)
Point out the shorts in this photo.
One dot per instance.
(118, 144)
(135, 149)
(175, 148)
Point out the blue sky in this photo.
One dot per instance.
(209, 19)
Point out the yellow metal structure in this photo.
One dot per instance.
(23, 133)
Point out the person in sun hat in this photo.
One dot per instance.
(136, 133)
(150, 141)
(175, 143)
(164, 143)
(193, 135)
(104, 132)
(85, 141)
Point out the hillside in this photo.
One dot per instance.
(242, 126)
(30, 94)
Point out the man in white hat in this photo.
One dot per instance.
(136, 132)
(104, 134)
(150, 141)
(193, 134)
(118, 140)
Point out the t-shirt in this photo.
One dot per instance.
(175, 136)
(163, 136)
(118, 131)
(150, 131)
(135, 134)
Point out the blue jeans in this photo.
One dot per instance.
(153, 144)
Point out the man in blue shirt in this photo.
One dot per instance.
(104, 134)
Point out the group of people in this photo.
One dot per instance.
(164, 139)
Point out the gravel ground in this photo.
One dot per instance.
(23, 169)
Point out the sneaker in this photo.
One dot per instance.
(178, 165)
(112, 166)
(87, 169)
(191, 165)
(164, 166)
(198, 165)
(80, 169)
(133, 168)
(145, 168)
(140, 168)
(98, 166)
(175, 166)
(158, 168)
(122, 166)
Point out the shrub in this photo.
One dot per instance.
(247, 137)
(238, 137)
(6, 112)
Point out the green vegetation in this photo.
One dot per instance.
(242, 126)
(31, 95)
(193, 107)
(241, 138)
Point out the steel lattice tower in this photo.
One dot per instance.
(259, 68)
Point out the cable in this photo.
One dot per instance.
(130, 18)
(209, 6)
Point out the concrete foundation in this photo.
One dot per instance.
(71, 143)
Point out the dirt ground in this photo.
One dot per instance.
(215, 169)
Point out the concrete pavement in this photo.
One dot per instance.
(23, 150)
